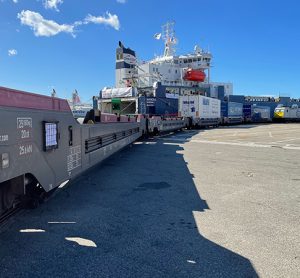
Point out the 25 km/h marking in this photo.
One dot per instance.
(25, 127)
(24, 123)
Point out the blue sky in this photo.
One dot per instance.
(255, 44)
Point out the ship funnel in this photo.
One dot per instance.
(75, 98)
(126, 66)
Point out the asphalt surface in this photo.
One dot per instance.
(206, 203)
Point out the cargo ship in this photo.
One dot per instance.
(153, 87)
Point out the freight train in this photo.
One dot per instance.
(197, 107)
(43, 146)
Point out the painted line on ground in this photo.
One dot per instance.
(246, 144)
(286, 140)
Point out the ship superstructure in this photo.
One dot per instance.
(169, 69)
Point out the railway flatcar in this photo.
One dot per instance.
(157, 124)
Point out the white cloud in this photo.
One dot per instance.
(15, 1)
(43, 27)
(52, 4)
(12, 52)
(122, 1)
(110, 20)
(46, 28)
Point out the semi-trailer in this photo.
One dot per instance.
(232, 112)
(261, 114)
(256, 113)
(200, 110)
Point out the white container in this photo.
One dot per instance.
(200, 108)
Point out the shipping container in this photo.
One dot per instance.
(203, 111)
(261, 113)
(158, 106)
(232, 112)
(256, 113)
(166, 106)
(146, 105)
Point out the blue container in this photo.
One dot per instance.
(235, 109)
(261, 113)
(271, 104)
(146, 105)
(166, 106)
(158, 106)
(231, 112)
(231, 109)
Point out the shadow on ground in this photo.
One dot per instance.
(137, 208)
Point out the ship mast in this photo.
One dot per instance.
(168, 35)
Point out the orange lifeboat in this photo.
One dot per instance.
(195, 75)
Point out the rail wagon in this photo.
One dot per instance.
(42, 145)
